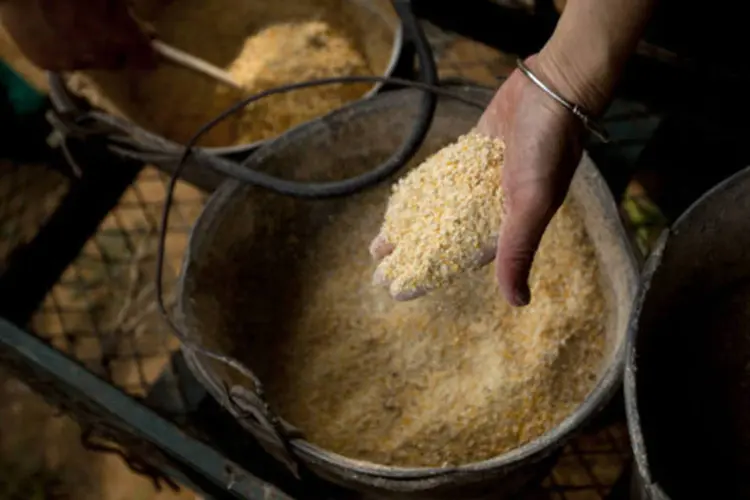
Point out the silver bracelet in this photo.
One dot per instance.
(588, 122)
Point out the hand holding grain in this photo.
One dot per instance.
(444, 217)
(544, 145)
(582, 61)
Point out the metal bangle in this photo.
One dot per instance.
(589, 123)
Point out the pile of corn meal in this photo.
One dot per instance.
(262, 45)
(453, 377)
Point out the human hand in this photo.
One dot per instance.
(63, 35)
(538, 149)
(543, 147)
(582, 62)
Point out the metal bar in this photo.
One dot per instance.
(224, 433)
(33, 269)
(190, 458)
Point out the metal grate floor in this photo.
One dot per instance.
(103, 312)
(590, 466)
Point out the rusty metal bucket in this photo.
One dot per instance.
(355, 139)
(135, 142)
(689, 349)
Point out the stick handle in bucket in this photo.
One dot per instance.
(194, 63)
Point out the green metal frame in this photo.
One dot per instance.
(137, 429)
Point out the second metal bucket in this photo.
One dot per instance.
(687, 380)
(128, 139)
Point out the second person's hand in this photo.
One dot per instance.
(62, 35)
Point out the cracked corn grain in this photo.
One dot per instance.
(454, 377)
(444, 215)
(262, 45)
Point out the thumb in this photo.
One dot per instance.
(529, 209)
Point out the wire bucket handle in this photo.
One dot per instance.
(250, 407)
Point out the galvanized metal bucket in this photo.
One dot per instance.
(359, 137)
(132, 141)
(675, 397)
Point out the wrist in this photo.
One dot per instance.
(586, 81)
(592, 42)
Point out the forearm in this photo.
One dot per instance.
(593, 40)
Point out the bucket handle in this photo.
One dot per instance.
(252, 407)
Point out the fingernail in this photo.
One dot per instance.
(380, 248)
(407, 295)
(378, 277)
(485, 256)
(373, 249)
(522, 297)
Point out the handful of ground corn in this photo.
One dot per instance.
(442, 218)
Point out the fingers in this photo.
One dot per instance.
(487, 254)
(396, 288)
(398, 285)
(529, 211)
(405, 294)
(380, 248)
(543, 148)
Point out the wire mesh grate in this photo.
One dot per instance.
(590, 465)
(103, 310)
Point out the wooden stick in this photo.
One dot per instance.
(189, 61)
